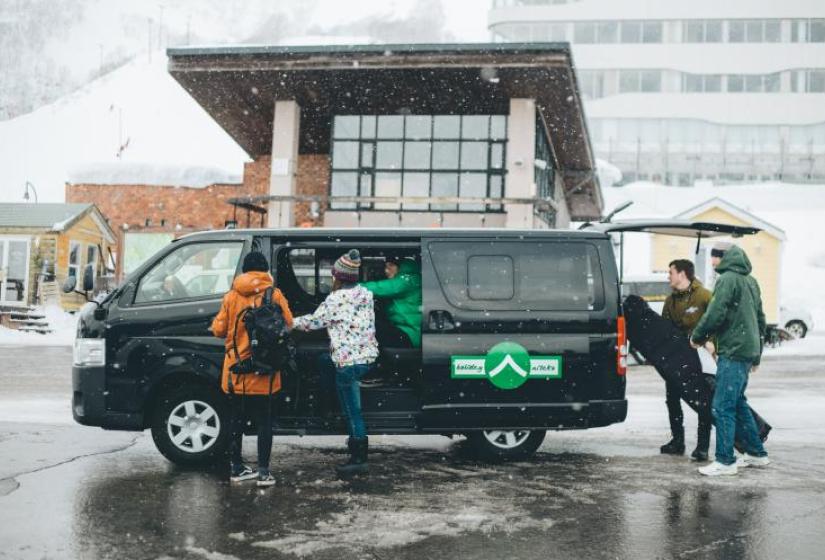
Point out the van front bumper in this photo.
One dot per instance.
(89, 401)
(535, 416)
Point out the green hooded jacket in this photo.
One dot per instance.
(404, 293)
(734, 316)
(686, 308)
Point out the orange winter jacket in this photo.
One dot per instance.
(247, 291)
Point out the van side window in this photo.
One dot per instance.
(196, 270)
(513, 276)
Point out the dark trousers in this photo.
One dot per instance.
(251, 408)
(697, 392)
(390, 336)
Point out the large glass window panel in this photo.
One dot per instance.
(475, 127)
(713, 31)
(584, 32)
(557, 32)
(444, 184)
(472, 185)
(754, 31)
(498, 127)
(445, 155)
(692, 83)
(347, 127)
(367, 154)
(773, 31)
(390, 126)
(736, 31)
(388, 155)
(631, 32)
(447, 126)
(713, 83)
(753, 83)
(368, 126)
(416, 184)
(366, 189)
(652, 32)
(490, 277)
(474, 155)
(389, 185)
(651, 80)
(608, 31)
(772, 83)
(736, 83)
(344, 183)
(345, 155)
(693, 32)
(816, 81)
(816, 31)
(497, 156)
(418, 127)
(496, 190)
(417, 155)
(628, 81)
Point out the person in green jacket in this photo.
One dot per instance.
(684, 307)
(402, 289)
(736, 319)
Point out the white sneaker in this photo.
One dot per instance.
(718, 469)
(752, 461)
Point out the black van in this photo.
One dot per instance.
(521, 333)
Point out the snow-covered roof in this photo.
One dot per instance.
(155, 174)
(735, 211)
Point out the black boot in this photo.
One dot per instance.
(676, 446)
(357, 464)
(702, 443)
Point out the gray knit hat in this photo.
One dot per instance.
(347, 266)
(720, 248)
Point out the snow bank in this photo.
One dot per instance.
(63, 325)
(126, 173)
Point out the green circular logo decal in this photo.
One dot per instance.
(507, 365)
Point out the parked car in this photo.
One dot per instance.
(796, 320)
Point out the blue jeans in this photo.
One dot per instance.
(349, 392)
(731, 413)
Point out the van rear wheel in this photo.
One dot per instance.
(505, 445)
(191, 425)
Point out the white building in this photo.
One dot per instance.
(680, 91)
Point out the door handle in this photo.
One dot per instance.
(440, 320)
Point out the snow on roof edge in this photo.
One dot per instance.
(152, 174)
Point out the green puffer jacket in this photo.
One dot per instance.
(735, 315)
(404, 293)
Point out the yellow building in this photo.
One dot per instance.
(42, 244)
(763, 249)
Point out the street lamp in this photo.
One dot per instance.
(26, 193)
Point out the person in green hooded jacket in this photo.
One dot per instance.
(402, 290)
(736, 319)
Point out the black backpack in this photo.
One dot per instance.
(269, 341)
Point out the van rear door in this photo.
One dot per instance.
(517, 333)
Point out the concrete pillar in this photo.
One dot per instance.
(286, 126)
(521, 152)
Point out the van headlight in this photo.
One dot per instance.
(89, 352)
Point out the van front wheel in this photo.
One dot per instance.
(505, 445)
(190, 425)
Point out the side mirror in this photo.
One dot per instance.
(88, 278)
(69, 284)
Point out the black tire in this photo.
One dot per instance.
(209, 427)
(493, 445)
(798, 329)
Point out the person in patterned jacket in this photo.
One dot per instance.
(349, 317)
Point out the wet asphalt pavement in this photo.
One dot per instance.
(68, 491)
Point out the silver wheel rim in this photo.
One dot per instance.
(795, 330)
(506, 439)
(193, 426)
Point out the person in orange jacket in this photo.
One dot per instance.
(249, 393)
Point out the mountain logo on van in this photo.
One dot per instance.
(507, 365)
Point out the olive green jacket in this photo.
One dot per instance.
(734, 316)
(685, 307)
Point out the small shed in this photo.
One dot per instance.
(764, 249)
(44, 243)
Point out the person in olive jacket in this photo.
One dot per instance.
(684, 307)
(402, 288)
(737, 321)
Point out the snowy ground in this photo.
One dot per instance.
(602, 493)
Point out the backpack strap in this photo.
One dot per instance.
(267, 297)
(235, 333)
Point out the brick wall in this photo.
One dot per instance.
(313, 178)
